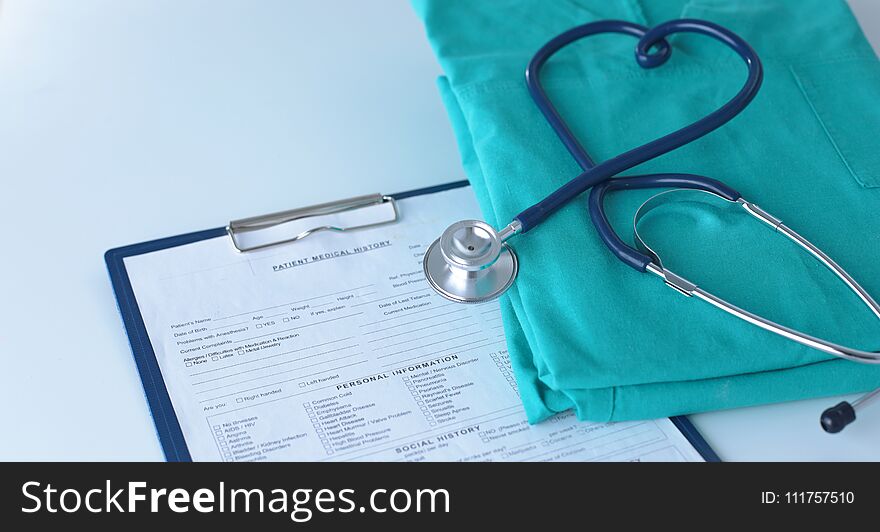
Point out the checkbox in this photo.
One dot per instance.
(241, 351)
(216, 427)
(239, 400)
(421, 403)
(432, 423)
(259, 326)
(302, 385)
(485, 440)
(286, 320)
(215, 358)
(218, 433)
(188, 364)
(320, 431)
(306, 404)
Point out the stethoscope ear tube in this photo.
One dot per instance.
(688, 288)
(626, 253)
(832, 420)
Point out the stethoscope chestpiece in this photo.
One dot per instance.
(470, 263)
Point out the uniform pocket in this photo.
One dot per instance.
(844, 96)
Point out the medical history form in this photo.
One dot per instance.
(334, 347)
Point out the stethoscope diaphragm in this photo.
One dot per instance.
(470, 263)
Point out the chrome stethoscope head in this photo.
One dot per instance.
(470, 263)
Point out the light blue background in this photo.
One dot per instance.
(123, 121)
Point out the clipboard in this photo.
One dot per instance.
(314, 219)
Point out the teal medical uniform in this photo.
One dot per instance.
(585, 331)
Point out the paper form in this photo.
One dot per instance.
(335, 348)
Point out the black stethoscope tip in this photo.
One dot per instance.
(837, 417)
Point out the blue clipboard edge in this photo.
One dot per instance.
(684, 425)
(165, 419)
(167, 425)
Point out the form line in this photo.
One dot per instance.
(450, 350)
(427, 345)
(279, 373)
(251, 361)
(292, 303)
(275, 365)
(426, 336)
(297, 328)
(407, 314)
(389, 297)
(277, 383)
(233, 325)
(415, 321)
(419, 329)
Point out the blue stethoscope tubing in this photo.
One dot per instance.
(471, 261)
(596, 174)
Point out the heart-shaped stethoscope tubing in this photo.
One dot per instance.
(472, 263)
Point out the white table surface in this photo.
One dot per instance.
(123, 121)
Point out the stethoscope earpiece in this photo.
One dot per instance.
(837, 417)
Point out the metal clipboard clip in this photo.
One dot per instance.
(361, 212)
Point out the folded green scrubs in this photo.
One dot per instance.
(589, 333)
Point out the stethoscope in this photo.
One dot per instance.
(471, 262)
